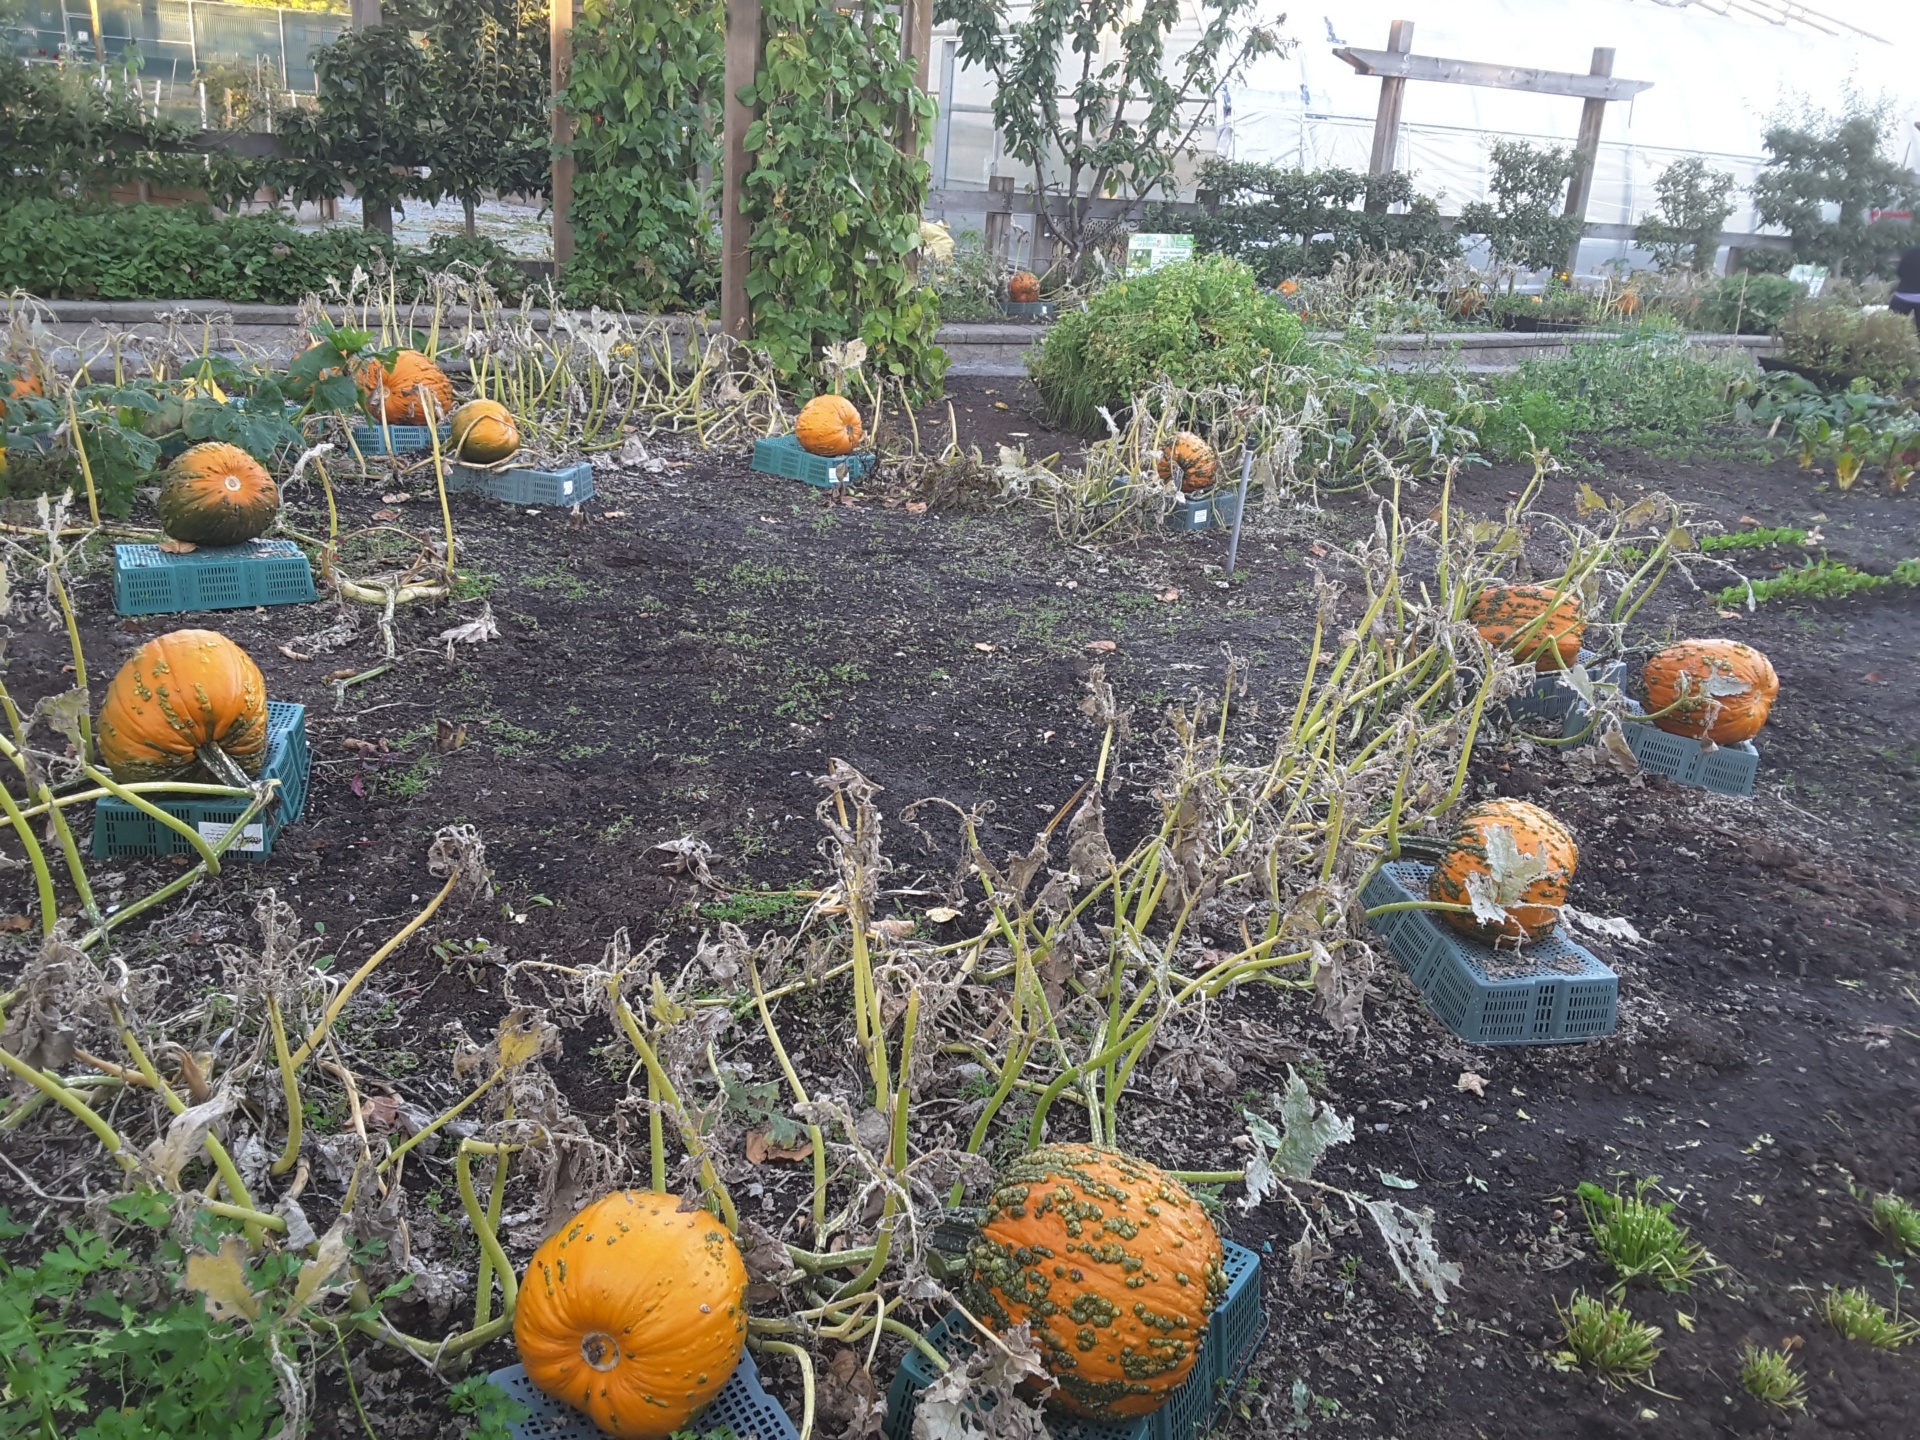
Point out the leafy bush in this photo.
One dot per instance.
(1820, 158)
(1749, 304)
(1684, 232)
(157, 252)
(1524, 225)
(1647, 386)
(1849, 344)
(1203, 323)
(968, 283)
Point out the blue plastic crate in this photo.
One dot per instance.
(119, 829)
(1550, 698)
(743, 1406)
(149, 581)
(407, 439)
(782, 455)
(1550, 992)
(1232, 1335)
(1723, 769)
(523, 485)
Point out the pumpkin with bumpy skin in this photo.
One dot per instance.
(1113, 1264)
(828, 425)
(26, 383)
(1718, 690)
(180, 698)
(217, 494)
(1023, 287)
(634, 1311)
(484, 432)
(1510, 855)
(1531, 622)
(1193, 458)
(399, 386)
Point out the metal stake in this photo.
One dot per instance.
(1239, 513)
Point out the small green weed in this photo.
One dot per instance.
(1606, 1341)
(559, 580)
(1899, 1220)
(1640, 1238)
(486, 1411)
(758, 907)
(1858, 1316)
(1769, 1376)
(1818, 580)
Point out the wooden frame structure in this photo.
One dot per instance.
(1396, 65)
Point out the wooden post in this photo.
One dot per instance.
(916, 44)
(999, 222)
(365, 15)
(560, 52)
(742, 64)
(1386, 122)
(1586, 151)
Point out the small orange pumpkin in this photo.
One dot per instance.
(397, 388)
(634, 1311)
(1511, 855)
(1628, 303)
(1193, 458)
(1114, 1265)
(1023, 287)
(828, 425)
(217, 494)
(180, 696)
(484, 432)
(1530, 622)
(26, 383)
(1719, 690)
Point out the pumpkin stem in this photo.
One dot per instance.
(600, 1350)
(222, 766)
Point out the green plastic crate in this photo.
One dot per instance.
(782, 455)
(1549, 992)
(149, 581)
(1028, 309)
(1209, 510)
(407, 439)
(1723, 769)
(743, 1407)
(119, 829)
(1550, 698)
(1232, 1336)
(523, 485)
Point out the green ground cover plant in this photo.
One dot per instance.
(1640, 1238)
(1607, 1341)
(1898, 1219)
(1769, 1376)
(1858, 1316)
(1820, 579)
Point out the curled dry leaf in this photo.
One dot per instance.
(1102, 647)
(1469, 1081)
(760, 1149)
(221, 1278)
(939, 915)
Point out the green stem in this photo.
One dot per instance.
(289, 1085)
(42, 873)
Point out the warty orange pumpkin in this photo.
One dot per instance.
(1530, 622)
(828, 425)
(1114, 1265)
(1194, 461)
(1718, 690)
(1509, 856)
(217, 494)
(634, 1311)
(1023, 287)
(396, 388)
(484, 432)
(185, 700)
(26, 383)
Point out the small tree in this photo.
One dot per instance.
(1133, 115)
(1684, 232)
(1525, 225)
(1818, 159)
(487, 73)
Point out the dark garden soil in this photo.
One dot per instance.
(683, 658)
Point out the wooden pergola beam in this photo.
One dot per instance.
(1388, 65)
(560, 56)
(742, 64)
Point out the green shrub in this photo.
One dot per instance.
(1749, 304)
(968, 283)
(1847, 343)
(1197, 324)
(1526, 420)
(1647, 386)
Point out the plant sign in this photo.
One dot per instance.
(1150, 252)
(1814, 277)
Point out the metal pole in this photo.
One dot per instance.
(1239, 514)
(193, 54)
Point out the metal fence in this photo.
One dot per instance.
(175, 38)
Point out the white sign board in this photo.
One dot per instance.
(1150, 252)
(1814, 277)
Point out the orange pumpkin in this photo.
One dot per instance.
(1718, 690)
(484, 432)
(1628, 303)
(1510, 855)
(634, 1311)
(180, 694)
(828, 425)
(26, 383)
(1114, 1265)
(217, 494)
(1470, 300)
(1193, 458)
(1530, 622)
(1023, 287)
(397, 388)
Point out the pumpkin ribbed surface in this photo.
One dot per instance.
(26, 383)
(217, 494)
(1114, 1265)
(1725, 690)
(1023, 287)
(1514, 855)
(483, 432)
(180, 691)
(634, 1311)
(1193, 458)
(828, 425)
(401, 383)
(1530, 622)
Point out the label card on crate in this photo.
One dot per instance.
(253, 839)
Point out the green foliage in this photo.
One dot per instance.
(1204, 323)
(969, 284)
(486, 1411)
(1284, 223)
(1527, 420)
(1816, 580)
(1684, 231)
(1858, 1316)
(161, 252)
(1747, 304)
(486, 71)
(645, 93)
(1134, 114)
(1647, 386)
(758, 907)
(1525, 225)
(367, 127)
(1848, 343)
(1819, 157)
(1894, 1216)
(68, 128)
(1640, 1238)
(1769, 1376)
(836, 191)
(1607, 1341)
